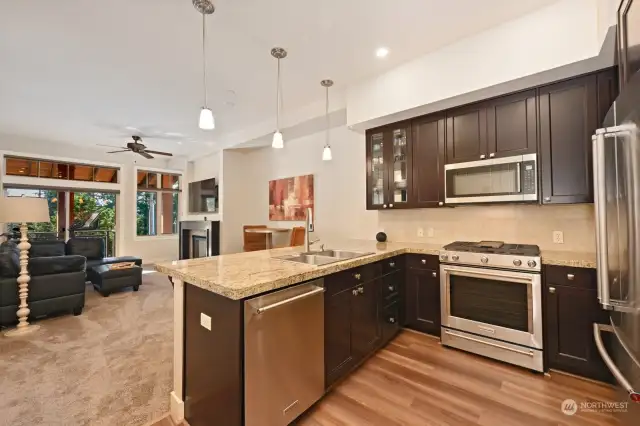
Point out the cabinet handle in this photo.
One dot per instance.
(356, 276)
(570, 277)
(547, 198)
(434, 274)
(441, 203)
(424, 261)
(493, 154)
(552, 290)
(392, 320)
(354, 292)
(391, 205)
(392, 264)
(361, 290)
(391, 288)
(482, 157)
(384, 206)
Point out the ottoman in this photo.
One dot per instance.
(106, 280)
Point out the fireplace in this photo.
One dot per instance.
(199, 239)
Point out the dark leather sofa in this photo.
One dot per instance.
(57, 281)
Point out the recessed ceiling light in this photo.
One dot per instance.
(382, 52)
(179, 142)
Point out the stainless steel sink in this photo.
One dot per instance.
(309, 259)
(341, 254)
(322, 257)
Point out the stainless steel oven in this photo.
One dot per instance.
(493, 312)
(509, 179)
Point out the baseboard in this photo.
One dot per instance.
(177, 408)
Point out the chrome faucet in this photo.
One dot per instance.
(308, 229)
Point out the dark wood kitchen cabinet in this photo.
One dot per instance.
(352, 325)
(422, 294)
(568, 118)
(428, 161)
(512, 125)
(389, 174)
(571, 307)
(466, 134)
(570, 113)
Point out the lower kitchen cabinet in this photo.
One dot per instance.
(360, 317)
(365, 327)
(338, 350)
(571, 307)
(422, 294)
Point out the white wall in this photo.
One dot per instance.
(150, 249)
(555, 42)
(341, 210)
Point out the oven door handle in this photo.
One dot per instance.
(518, 351)
(493, 274)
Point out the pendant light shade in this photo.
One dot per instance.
(278, 141)
(207, 121)
(326, 152)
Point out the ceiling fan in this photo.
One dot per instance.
(139, 148)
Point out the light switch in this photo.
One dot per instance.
(205, 321)
(420, 232)
(558, 237)
(430, 232)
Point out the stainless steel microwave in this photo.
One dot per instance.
(509, 179)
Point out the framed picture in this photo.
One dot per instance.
(289, 198)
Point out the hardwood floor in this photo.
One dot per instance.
(416, 381)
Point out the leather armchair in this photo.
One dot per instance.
(94, 250)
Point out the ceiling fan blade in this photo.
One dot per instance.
(145, 154)
(159, 153)
(110, 146)
(115, 152)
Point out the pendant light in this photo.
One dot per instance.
(205, 7)
(326, 152)
(278, 141)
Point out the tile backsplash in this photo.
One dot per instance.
(525, 224)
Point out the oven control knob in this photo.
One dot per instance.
(532, 263)
(484, 259)
(517, 262)
(443, 257)
(455, 257)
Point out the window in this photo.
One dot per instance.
(16, 166)
(157, 204)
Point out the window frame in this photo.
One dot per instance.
(159, 200)
(58, 166)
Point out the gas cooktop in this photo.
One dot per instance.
(496, 247)
(492, 254)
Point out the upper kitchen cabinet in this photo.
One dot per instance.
(570, 112)
(512, 125)
(389, 176)
(377, 176)
(466, 134)
(428, 161)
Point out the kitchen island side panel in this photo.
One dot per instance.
(213, 379)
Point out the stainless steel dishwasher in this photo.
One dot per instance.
(283, 353)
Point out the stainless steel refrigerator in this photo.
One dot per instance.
(616, 169)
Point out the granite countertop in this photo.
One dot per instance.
(569, 258)
(241, 275)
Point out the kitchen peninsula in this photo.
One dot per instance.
(209, 296)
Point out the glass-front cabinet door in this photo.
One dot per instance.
(377, 171)
(399, 179)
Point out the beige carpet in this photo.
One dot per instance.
(112, 365)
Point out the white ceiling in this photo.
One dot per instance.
(81, 71)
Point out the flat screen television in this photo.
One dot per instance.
(203, 196)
